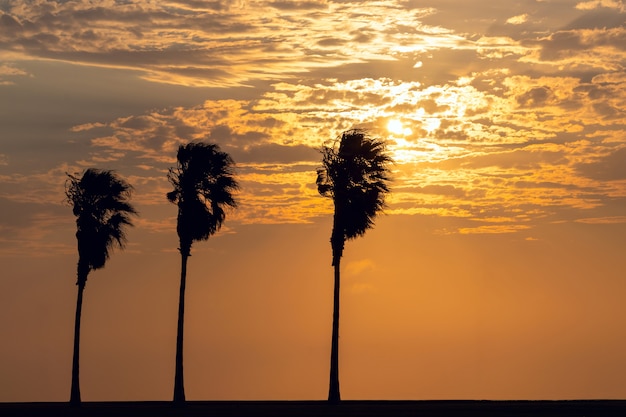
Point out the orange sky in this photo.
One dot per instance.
(496, 273)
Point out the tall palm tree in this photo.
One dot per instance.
(204, 184)
(354, 174)
(100, 201)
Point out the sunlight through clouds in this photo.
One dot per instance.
(502, 123)
(456, 134)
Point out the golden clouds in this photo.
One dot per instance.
(514, 121)
(271, 196)
(217, 43)
(594, 4)
(493, 229)
(518, 20)
(492, 145)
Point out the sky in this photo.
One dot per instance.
(497, 270)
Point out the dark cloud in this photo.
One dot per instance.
(445, 190)
(363, 36)
(536, 97)
(609, 112)
(331, 42)
(179, 43)
(20, 215)
(298, 5)
(221, 133)
(274, 153)
(601, 18)
(225, 134)
(563, 44)
(608, 168)
(544, 184)
(9, 26)
(39, 111)
(518, 159)
(466, 17)
(204, 5)
(431, 106)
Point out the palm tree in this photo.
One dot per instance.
(204, 184)
(354, 174)
(100, 201)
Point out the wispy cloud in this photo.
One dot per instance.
(595, 4)
(518, 20)
(215, 43)
(8, 72)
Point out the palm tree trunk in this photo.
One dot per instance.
(75, 389)
(333, 390)
(337, 244)
(179, 387)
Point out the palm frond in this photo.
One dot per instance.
(204, 186)
(355, 174)
(100, 202)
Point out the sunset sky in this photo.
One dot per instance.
(498, 270)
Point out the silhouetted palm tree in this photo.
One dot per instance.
(100, 201)
(354, 174)
(204, 184)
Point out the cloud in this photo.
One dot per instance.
(595, 4)
(445, 190)
(214, 43)
(355, 268)
(274, 153)
(503, 120)
(45, 188)
(8, 72)
(610, 167)
(35, 230)
(536, 97)
(359, 276)
(518, 20)
(497, 134)
(493, 229)
(603, 220)
(594, 50)
(299, 5)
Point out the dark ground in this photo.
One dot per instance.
(574, 408)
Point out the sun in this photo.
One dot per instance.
(395, 127)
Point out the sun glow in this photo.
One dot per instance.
(395, 127)
(431, 124)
